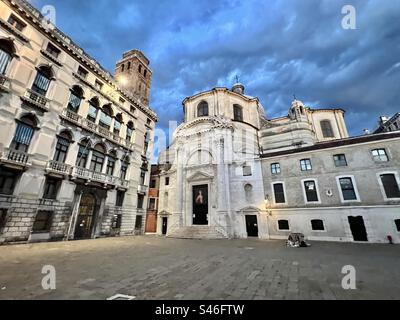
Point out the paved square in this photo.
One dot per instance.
(150, 267)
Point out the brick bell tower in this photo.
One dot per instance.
(134, 75)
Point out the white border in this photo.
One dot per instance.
(396, 175)
(304, 191)
(353, 180)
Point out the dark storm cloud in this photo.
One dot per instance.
(278, 48)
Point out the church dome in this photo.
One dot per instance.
(238, 88)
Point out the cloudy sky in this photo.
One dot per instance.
(278, 48)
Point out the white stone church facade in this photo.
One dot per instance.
(231, 172)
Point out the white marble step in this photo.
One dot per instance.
(197, 232)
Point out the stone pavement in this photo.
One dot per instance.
(151, 267)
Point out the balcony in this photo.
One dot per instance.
(15, 158)
(91, 126)
(58, 168)
(92, 176)
(142, 189)
(36, 99)
(4, 83)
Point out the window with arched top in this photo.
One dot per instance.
(94, 106)
(112, 158)
(202, 109)
(23, 134)
(326, 128)
(83, 153)
(106, 117)
(129, 130)
(7, 50)
(63, 142)
(129, 65)
(248, 189)
(122, 67)
(124, 166)
(237, 113)
(75, 98)
(98, 157)
(42, 81)
(117, 123)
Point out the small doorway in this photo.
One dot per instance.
(200, 205)
(164, 226)
(357, 227)
(252, 226)
(86, 217)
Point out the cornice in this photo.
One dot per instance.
(35, 17)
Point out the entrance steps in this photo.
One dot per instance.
(197, 232)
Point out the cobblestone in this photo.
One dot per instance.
(151, 267)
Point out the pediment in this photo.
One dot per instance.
(199, 175)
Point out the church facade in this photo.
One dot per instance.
(234, 173)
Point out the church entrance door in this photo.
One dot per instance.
(252, 226)
(200, 205)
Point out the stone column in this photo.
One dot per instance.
(89, 159)
(99, 219)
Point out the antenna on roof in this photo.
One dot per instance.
(294, 96)
(237, 79)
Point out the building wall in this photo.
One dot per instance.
(52, 118)
(378, 212)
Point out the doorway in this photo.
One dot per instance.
(252, 226)
(164, 226)
(200, 205)
(86, 217)
(358, 229)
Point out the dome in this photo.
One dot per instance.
(238, 88)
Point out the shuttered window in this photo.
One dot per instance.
(5, 59)
(41, 84)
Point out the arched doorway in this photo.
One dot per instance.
(86, 217)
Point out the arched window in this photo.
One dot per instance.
(166, 200)
(140, 68)
(83, 153)
(7, 51)
(248, 189)
(237, 112)
(123, 68)
(326, 128)
(63, 142)
(129, 130)
(42, 81)
(112, 157)
(75, 98)
(129, 65)
(124, 167)
(146, 142)
(94, 106)
(202, 109)
(117, 123)
(106, 117)
(24, 133)
(98, 157)
(145, 73)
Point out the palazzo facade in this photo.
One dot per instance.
(75, 141)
